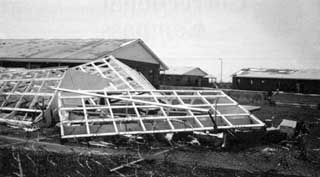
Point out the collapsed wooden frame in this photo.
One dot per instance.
(122, 77)
(26, 95)
(128, 105)
(105, 113)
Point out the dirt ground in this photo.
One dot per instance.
(248, 154)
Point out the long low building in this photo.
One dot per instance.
(184, 76)
(287, 80)
(39, 53)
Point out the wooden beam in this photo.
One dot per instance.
(131, 100)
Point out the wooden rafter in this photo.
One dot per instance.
(151, 112)
(120, 75)
(26, 94)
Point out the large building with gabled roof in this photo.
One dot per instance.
(38, 53)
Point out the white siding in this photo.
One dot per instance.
(135, 52)
(196, 72)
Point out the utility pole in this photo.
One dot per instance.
(221, 63)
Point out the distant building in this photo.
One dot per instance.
(184, 76)
(38, 53)
(287, 80)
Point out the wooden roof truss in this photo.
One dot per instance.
(107, 113)
(121, 76)
(26, 94)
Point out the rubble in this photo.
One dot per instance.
(26, 96)
(104, 113)
(106, 97)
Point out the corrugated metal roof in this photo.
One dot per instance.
(310, 74)
(59, 48)
(185, 70)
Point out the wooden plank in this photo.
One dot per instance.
(29, 77)
(131, 100)
(111, 113)
(189, 111)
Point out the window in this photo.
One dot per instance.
(151, 76)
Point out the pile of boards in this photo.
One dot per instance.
(106, 97)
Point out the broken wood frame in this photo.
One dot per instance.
(106, 113)
(26, 95)
(121, 76)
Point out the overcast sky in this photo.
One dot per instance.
(245, 33)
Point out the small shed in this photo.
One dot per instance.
(39, 53)
(287, 80)
(184, 76)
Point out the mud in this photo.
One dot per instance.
(188, 161)
(249, 154)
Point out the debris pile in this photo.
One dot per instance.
(26, 95)
(106, 97)
(102, 112)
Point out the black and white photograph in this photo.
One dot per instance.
(160, 88)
